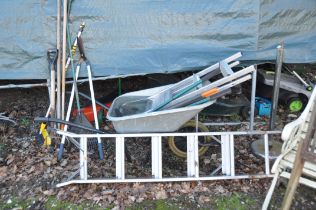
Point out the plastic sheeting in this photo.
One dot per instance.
(144, 36)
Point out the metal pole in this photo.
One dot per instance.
(63, 84)
(58, 110)
(9, 86)
(276, 86)
(253, 98)
(266, 154)
(67, 82)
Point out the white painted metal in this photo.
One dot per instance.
(192, 156)
(292, 134)
(266, 154)
(156, 160)
(235, 133)
(253, 98)
(228, 162)
(225, 68)
(239, 77)
(95, 115)
(83, 159)
(120, 158)
(70, 103)
(215, 66)
(167, 179)
(223, 145)
(232, 155)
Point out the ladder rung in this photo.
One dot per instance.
(227, 148)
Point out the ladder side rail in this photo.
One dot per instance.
(120, 158)
(83, 153)
(156, 157)
(232, 155)
(266, 154)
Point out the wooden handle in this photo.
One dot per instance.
(210, 92)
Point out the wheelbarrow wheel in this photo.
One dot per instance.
(295, 104)
(177, 144)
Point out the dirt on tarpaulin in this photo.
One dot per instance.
(29, 170)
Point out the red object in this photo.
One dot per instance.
(88, 111)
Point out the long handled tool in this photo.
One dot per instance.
(74, 44)
(72, 50)
(63, 79)
(61, 147)
(161, 99)
(88, 65)
(212, 92)
(43, 137)
(190, 97)
(58, 102)
(62, 143)
(306, 85)
(52, 55)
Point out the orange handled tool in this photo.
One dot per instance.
(210, 92)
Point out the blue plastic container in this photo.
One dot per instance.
(263, 106)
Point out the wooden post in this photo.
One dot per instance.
(63, 79)
(294, 179)
(58, 108)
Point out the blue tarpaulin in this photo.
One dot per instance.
(125, 37)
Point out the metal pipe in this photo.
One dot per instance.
(276, 85)
(67, 82)
(63, 78)
(253, 98)
(266, 154)
(58, 102)
(23, 86)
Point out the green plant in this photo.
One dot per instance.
(54, 204)
(235, 117)
(15, 203)
(235, 202)
(25, 122)
(154, 204)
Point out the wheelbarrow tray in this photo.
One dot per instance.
(158, 121)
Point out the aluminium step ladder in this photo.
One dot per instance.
(227, 147)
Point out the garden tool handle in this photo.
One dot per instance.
(210, 92)
(52, 55)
